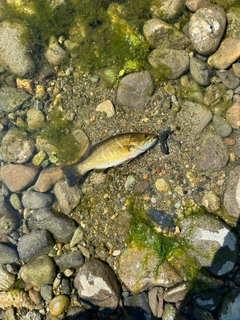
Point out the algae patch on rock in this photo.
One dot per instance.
(58, 141)
(143, 234)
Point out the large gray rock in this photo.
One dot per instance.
(7, 254)
(213, 154)
(60, 225)
(36, 200)
(74, 259)
(14, 53)
(134, 89)
(206, 28)
(160, 34)
(34, 244)
(67, 197)
(211, 242)
(97, 286)
(169, 62)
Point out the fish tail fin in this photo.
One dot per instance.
(72, 175)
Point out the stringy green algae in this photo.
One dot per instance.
(142, 233)
(167, 247)
(106, 33)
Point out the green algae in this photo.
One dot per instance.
(226, 4)
(175, 250)
(56, 131)
(143, 234)
(106, 33)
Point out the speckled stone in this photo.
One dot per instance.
(138, 277)
(206, 28)
(233, 115)
(17, 146)
(58, 305)
(14, 53)
(18, 177)
(213, 154)
(133, 89)
(97, 286)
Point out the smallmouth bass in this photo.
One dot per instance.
(111, 152)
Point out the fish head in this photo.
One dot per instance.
(142, 141)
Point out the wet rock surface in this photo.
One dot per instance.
(134, 88)
(155, 238)
(206, 28)
(14, 55)
(215, 245)
(97, 286)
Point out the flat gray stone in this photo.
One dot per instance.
(193, 118)
(171, 63)
(228, 79)
(213, 154)
(61, 226)
(200, 71)
(134, 89)
(36, 200)
(12, 98)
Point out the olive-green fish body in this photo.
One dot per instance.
(111, 152)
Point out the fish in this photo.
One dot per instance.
(112, 152)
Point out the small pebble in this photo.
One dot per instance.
(162, 185)
(58, 305)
